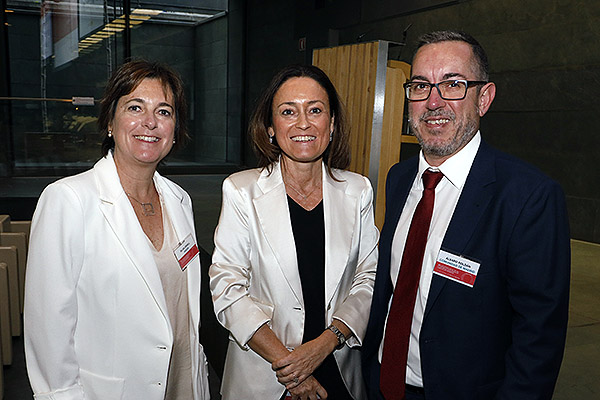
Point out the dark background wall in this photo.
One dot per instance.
(4, 92)
(544, 56)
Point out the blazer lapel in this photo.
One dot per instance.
(339, 210)
(173, 203)
(274, 218)
(183, 226)
(396, 198)
(120, 216)
(473, 201)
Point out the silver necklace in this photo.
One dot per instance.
(304, 196)
(147, 208)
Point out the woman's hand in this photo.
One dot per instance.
(309, 389)
(298, 365)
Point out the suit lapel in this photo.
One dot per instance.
(396, 198)
(274, 217)
(473, 201)
(339, 210)
(398, 184)
(183, 226)
(397, 189)
(173, 203)
(120, 216)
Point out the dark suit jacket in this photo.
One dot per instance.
(503, 338)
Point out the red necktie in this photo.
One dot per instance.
(397, 332)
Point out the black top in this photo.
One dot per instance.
(309, 236)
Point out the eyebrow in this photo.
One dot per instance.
(449, 75)
(138, 100)
(293, 103)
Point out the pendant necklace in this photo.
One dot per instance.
(147, 208)
(304, 196)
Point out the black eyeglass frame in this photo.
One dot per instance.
(467, 83)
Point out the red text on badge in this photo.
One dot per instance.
(456, 268)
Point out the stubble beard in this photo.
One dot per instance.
(463, 134)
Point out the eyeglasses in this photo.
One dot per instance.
(455, 89)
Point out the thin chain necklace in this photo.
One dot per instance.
(147, 208)
(304, 196)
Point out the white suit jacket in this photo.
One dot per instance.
(255, 279)
(96, 323)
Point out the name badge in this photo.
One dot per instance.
(186, 251)
(456, 268)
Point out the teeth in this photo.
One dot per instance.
(150, 139)
(438, 121)
(303, 138)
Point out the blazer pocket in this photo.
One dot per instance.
(100, 387)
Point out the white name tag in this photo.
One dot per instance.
(456, 268)
(186, 251)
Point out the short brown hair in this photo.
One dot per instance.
(124, 81)
(337, 154)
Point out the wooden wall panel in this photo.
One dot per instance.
(5, 327)
(391, 137)
(352, 69)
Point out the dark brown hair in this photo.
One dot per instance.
(337, 154)
(448, 36)
(124, 81)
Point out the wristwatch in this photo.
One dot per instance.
(340, 336)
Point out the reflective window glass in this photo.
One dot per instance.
(62, 53)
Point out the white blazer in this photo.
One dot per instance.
(96, 323)
(254, 277)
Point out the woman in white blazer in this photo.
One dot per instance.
(295, 251)
(113, 276)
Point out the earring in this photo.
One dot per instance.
(109, 133)
(173, 141)
(331, 136)
(270, 139)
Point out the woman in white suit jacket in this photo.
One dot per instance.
(258, 282)
(108, 315)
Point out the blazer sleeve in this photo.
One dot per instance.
(354, 310)
(231, 269)
(50, 313)
(538, 276)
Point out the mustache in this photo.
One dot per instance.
(438, 113)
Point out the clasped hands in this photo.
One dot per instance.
(294, 371)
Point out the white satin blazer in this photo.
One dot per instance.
(96, 322)
(254, 277)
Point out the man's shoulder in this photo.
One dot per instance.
(511, 168)
(408, 166)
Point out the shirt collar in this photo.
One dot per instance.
(457, 167)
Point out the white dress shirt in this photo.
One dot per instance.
(455, 170)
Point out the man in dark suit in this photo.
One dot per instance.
(487, 311)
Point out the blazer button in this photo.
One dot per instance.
(162, 347)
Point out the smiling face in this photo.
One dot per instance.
(143, 125)
(302, 120)
(443, 127)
